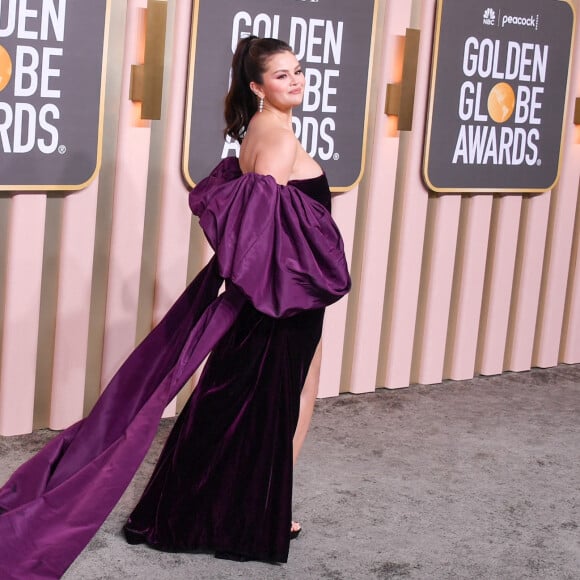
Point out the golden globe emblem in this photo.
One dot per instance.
(501, 102)
(5, 68)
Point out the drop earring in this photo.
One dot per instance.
(260, 104)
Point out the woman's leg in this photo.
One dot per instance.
(307, 401)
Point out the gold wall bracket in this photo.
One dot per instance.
(146, 84)
(400, 99)
(577, 112)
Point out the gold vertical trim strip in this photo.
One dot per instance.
(393, 100)
(48, 310)
(153, 79)
(152, 218)
(150, 246)
(5, 203)
(410, 62)
(400, 100)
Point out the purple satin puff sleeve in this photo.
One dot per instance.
(281, 248)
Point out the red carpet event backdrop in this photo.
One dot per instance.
(462, 265)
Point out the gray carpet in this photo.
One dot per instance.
(471, 479)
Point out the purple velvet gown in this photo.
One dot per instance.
(224, 479)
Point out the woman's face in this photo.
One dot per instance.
(283, 81)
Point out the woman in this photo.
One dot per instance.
(223, 482)
(269, 147)
(267, 82)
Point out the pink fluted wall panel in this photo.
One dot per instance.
(374, 215)
(333, 335)
(21, 313)
(72, 317)
(435, 290)
(499, 281)
(527, 282)
(468, 281)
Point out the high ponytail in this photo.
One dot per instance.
(248, 64)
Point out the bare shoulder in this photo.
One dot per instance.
(278, 143)
(270, 150)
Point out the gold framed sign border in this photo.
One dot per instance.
(434, 65)
(99, 157)
(189, 99)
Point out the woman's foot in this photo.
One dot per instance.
(295, 529)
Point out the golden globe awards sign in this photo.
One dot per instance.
(333, 41)
(498, 95)
(51, 92)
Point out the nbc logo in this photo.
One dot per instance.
(489, 17)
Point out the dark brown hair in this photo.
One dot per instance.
(248, 64)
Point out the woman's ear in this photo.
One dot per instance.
(255, 88)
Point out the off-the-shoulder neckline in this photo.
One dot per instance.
(301, 180)
(307, 178)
